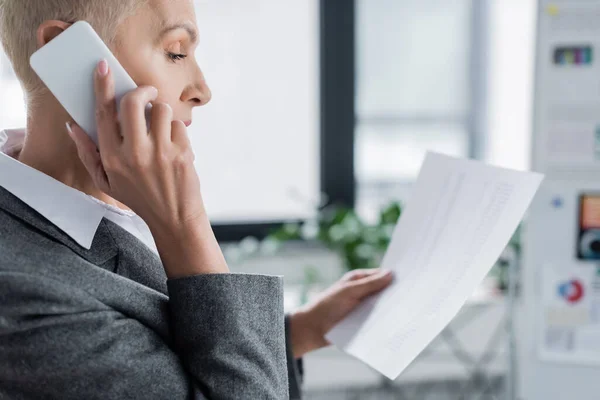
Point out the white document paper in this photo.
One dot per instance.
(461, 216)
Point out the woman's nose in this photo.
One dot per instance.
(198, 92)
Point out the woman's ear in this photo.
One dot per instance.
(48, 30)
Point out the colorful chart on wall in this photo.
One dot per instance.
(570, 317)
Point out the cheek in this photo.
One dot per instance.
(152, 70)
(146, 69)
(167, 91)
(144, 66)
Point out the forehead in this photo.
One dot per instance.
(172, 11)
(156, 15)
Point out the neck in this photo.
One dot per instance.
(49, 149)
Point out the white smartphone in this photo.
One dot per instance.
(67, 64)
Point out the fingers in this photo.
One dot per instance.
(160, 124)
(179, 135)
(89, 155)
(133, 116)
(371, 284)
(106, 108)
(360, 273)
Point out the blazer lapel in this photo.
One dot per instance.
(103, 246)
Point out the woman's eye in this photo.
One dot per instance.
(175, 56)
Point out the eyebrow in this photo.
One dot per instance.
(189, 28)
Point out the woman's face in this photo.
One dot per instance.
(156, 46)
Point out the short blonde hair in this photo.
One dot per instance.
(20, 19)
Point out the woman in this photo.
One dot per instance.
(112, 284)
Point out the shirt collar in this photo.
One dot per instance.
(72, 211)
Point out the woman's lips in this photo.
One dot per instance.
(187, 123)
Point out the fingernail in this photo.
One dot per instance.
(69, 130)
(387, 273)
(103, 68)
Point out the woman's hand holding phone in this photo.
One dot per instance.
(152, 173)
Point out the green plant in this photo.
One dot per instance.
(358, 243)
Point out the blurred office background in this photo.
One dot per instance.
(336, 102)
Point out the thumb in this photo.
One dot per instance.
(89, 155)
(371, 284)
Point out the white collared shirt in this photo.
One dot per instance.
(74, 212)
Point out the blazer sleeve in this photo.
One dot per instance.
(233, 326)
(228, 331)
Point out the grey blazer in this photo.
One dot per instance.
(106, 323)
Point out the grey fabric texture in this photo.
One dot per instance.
(106, 323)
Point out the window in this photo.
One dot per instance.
(414, 89)
(450, 76)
